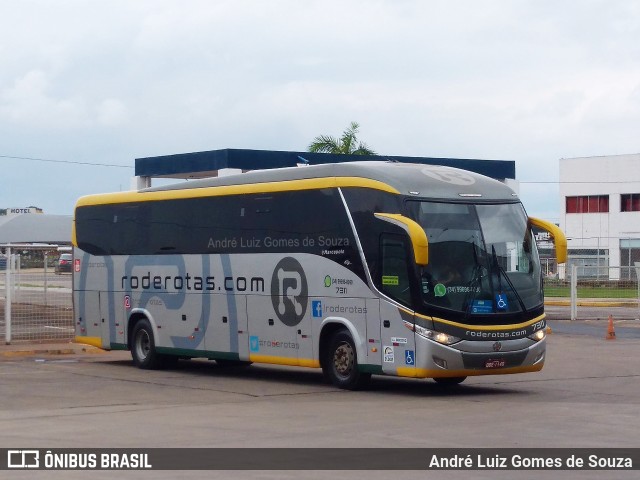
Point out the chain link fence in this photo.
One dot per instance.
(584, 292)
(38, 283)
(594, 283)
(35, 294)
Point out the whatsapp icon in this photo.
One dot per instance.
(440, 290)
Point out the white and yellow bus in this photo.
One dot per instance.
(357, 268)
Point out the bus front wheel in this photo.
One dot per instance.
(143, 347)
(340, 363)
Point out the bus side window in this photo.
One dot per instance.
(394, 271)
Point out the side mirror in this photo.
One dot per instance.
(416, 234)
(559, 239)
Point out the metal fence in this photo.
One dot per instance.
(35, 296)
(40, 300)
(593, 292)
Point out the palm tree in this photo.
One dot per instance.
(346, 144)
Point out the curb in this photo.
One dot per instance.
(30, 351)
(566, 303)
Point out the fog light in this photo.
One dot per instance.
(440, 362)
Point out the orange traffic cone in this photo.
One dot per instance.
(611, 332)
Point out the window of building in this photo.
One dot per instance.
(591, 262)
(630, 202)
(629, 256)
(588, 204)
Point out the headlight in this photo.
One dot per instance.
(537, 336)
(435, 336)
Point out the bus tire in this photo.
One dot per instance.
(340, 363)
(449, 381)
(143, 347)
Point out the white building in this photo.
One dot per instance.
(600, 213)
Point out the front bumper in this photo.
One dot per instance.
(464, 359)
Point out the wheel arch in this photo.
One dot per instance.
(331, 325)
(135, 316)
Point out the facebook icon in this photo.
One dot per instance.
(316, 308)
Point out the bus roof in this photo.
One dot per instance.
(419, 180)
(433, 181)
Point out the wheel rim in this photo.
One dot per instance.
(343, 359)
(143, 344)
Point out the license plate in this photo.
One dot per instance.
(495, 364)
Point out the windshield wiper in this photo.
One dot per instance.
(476, 277)
(502, 273)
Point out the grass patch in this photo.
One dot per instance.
(591, 292)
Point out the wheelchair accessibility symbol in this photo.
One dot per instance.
(501, 301)
(409, 357)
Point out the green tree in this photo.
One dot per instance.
(348, 143)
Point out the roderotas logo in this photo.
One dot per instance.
(289, 291)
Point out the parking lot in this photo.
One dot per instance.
(588, 395)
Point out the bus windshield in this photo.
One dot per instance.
(482, 258)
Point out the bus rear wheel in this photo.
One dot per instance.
(143, 347)
(340, 363)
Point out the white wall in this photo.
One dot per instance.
(607, 175)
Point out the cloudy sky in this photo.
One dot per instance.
(105, 82)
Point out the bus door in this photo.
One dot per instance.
(398, 343)
(398, 350)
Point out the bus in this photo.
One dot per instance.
(357, 268)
